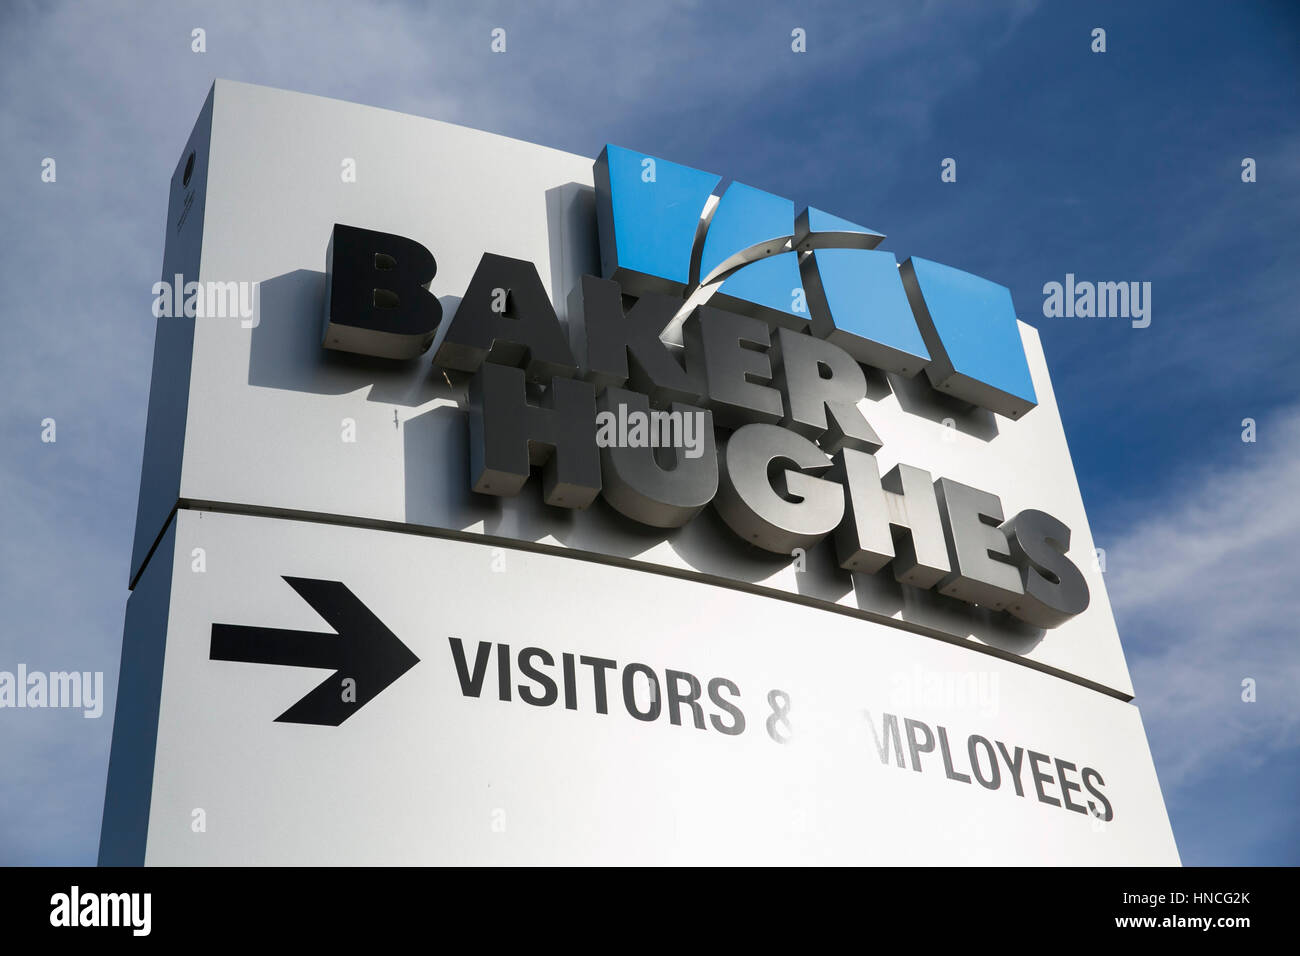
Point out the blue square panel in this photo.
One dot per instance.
(815, 229)
(744, 218)
(858, 303)
(769, 289)
(969, 325)
(755, 225)
(648, 212)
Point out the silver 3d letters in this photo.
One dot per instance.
(792, 462)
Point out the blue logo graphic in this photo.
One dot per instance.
(663, 228)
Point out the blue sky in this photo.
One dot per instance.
(1122, 166)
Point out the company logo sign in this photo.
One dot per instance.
(663, 228)
(731, 312)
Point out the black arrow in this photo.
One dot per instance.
(361, 649)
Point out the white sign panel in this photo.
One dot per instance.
(571, 712)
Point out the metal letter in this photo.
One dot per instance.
(776, 519)
(377, 299)
(716, 344)
(638, 486)
(614, 348)
(526, 333)
(508, 435)
(1055, 590)
(818, 378)
(891, 521)
(971, 518)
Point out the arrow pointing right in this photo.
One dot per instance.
(362, 649)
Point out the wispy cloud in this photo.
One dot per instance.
(1203, 581)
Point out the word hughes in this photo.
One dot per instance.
(786, 457)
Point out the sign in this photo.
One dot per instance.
(515, 521)
(576, 712)
(798, 464)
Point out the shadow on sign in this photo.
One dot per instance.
(286, 350)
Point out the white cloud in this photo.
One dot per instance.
(1204, 584)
